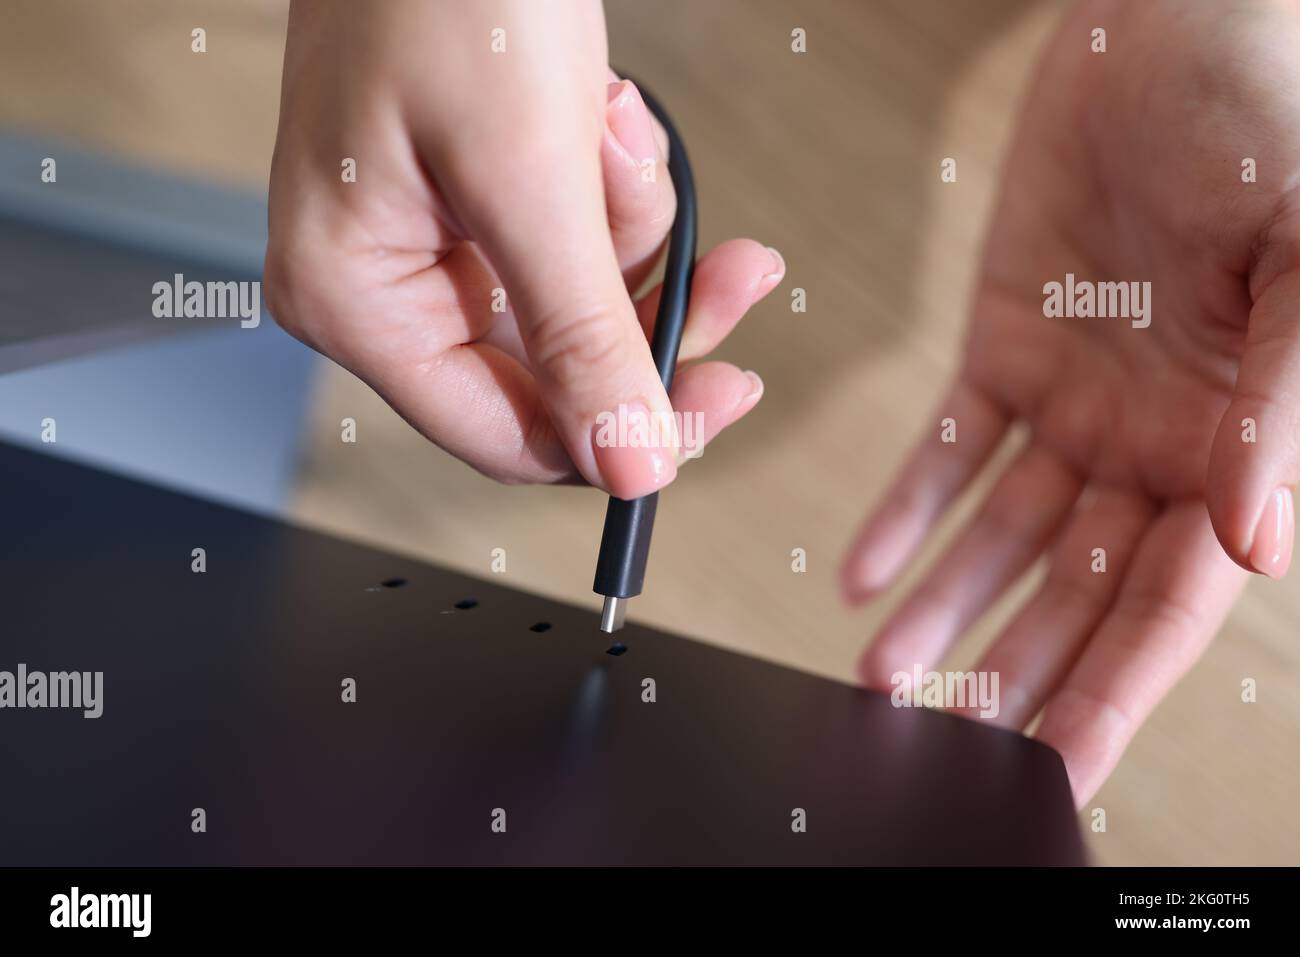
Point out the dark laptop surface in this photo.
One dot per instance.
(475, 705)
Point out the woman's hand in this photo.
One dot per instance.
(1174, 447)
(494, 151)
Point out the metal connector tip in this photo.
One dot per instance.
(612, 615)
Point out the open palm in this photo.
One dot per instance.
(1163, 446)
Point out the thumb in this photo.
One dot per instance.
(1255, 458)
(542, 223)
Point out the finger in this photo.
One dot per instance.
(729, 279)
(661, 134)
(412, 341)
(1173, 600)
(428, 346)
(1255, 459)
(925, 486)
(1021, 515)
(639, 194)
(709, 397)
(1034, 653)
(538, 213)
(478, 403)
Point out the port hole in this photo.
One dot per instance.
(465, 604)
(540, 627)
(393, 582)
(616, 649)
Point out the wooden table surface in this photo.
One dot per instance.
(833, 157)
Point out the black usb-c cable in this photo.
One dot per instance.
(625, 543)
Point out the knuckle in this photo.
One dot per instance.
(500, 177)
(648, 207)
(568, 348)
(300, 279)
(282, 279)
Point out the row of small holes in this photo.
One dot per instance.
(465, 604)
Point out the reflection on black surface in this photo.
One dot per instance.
(589, 702)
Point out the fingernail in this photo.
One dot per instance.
(778, 264)
(1274, 535)
(768, 281)
(634, 451)
(629, 121)
(755, 390)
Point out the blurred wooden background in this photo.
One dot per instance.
(833, 157)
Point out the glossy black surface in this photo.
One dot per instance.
(222, 691)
